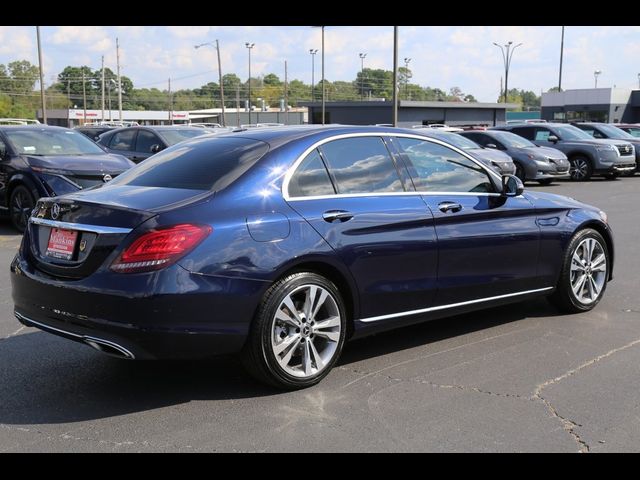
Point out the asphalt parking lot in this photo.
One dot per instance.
(515, 378)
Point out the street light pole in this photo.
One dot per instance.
(507, 63)
(217, 47)
(119, 81)
(561, 52)
(395, 76)
(362, 57)
(313, 68)
(595, 74)
(44, 103)
(406, 77)
(249, 47)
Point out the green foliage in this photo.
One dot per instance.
(18, 98)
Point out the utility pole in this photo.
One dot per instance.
(69, 100)
(238, 104)
(395, 76)
(170, 103)
(323, 86)
(102, 88)
(561, 52)
(119, 79)
(224, 123)
(84, 100)
(286, 97)
(44, 104)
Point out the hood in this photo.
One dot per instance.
(547, 152)
(98, 163)
(489, 155)
(138, 198)
(553, 200)
(595, 141)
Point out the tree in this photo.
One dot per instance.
(455, 95)
(470, 98)
(22, 76)
(272, 80)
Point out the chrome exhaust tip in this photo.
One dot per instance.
(110, 348)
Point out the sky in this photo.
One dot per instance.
(441, 56)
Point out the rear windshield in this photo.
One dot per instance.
(201, 164)
(179, 134)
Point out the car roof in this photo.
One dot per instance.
(280, 135)
(40, 126)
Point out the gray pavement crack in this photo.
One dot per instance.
(569, 425)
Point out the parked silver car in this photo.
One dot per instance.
(587, 155)
(541, 164)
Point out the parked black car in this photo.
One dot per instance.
(606, 130)
(139, 143)
(94, 131)
(42, 161)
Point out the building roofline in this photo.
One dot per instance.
(414, 104)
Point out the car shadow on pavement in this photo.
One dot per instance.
(49, 380)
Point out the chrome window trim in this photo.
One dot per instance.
(381, 135)
(451, 305)
(79, 226)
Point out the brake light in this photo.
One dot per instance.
(160, 248)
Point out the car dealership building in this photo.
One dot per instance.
(610, 105)
(410, 112)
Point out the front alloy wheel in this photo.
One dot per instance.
(298, 332)
(580, 169)
(585, 272)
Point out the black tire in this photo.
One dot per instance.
(581, 168)
(545, 182)
(21, 204)
(520, 173)
(258, 356)
(564, 297)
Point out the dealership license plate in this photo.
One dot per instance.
(61, 243)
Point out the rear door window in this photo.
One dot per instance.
(311, 178)
(146, 140)
(200, 164)
(361, 165)
(526, 132)
(123, 140)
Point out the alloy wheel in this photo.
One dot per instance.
(588, 270)
(579, 169)
(21, 206)
(305, 331)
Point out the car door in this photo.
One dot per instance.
(4, 173)
(487, 243)
(123, 142)
(144, 143)
(352, 192)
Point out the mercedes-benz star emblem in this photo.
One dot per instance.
(55, 211)
(106, 178)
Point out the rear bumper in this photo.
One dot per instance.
(187, 316)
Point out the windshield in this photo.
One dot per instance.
(180, 134)
(456, 140)
(614, 132)
(633, 131)
(512, 140)
(569, 132)
(42, 141)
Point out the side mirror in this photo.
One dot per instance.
(552, 138)
(155, 148)
(511, 186)
(491, 145)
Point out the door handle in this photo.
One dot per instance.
(333, 215)
(449, 207)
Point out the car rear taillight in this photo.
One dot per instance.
(160, 248)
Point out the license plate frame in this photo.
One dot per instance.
(62, 243)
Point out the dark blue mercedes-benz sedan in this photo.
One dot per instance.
(280, 244)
